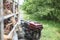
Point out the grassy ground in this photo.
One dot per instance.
(51, 29)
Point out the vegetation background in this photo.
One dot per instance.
(46, 12)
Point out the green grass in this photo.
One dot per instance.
(51, 29)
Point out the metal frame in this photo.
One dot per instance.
(5, 17)
(1, 16)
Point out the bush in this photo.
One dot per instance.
(46, 9)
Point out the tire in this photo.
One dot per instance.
(36, 35)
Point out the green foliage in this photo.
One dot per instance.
(49, 9)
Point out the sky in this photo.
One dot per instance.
(20, 1)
